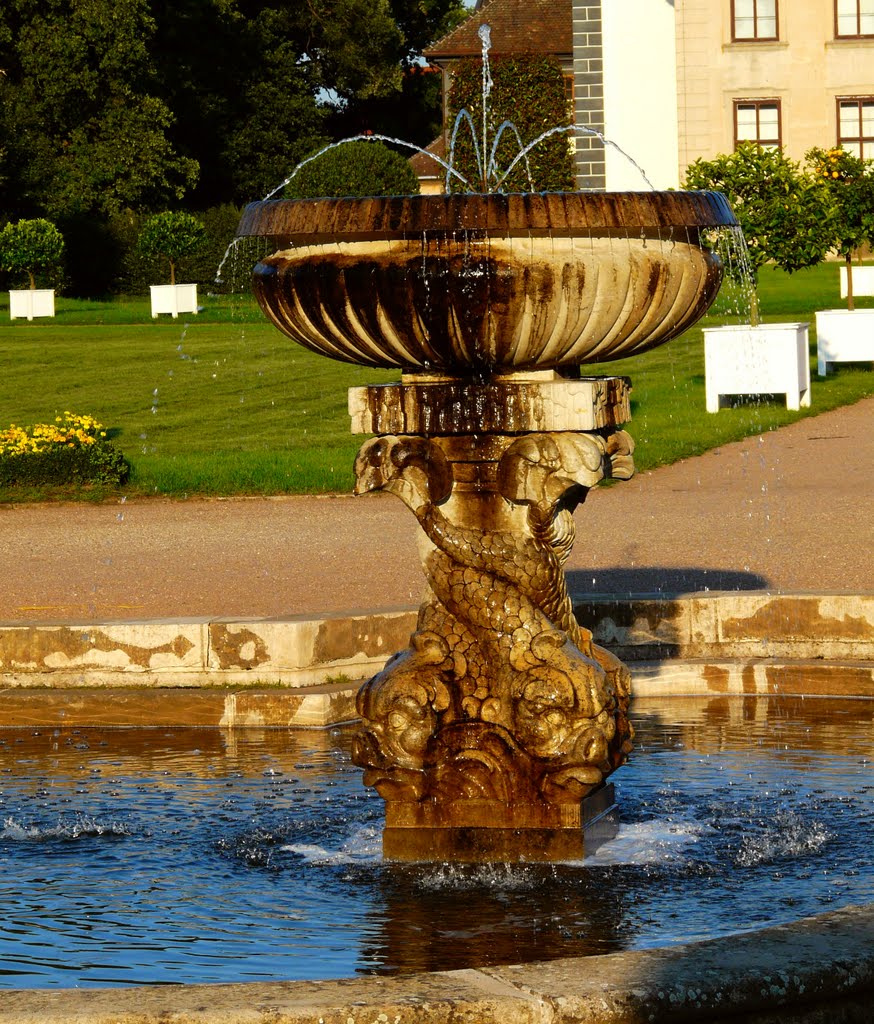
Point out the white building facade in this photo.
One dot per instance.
(670, 81)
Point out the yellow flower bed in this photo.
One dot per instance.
(73, 449)
(67, 430)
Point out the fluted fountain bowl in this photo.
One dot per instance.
(472, 284)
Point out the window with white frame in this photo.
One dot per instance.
(755, 19)
(854, 18)
(757, 121)
(856, 125)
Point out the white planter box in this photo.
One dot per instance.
(844, 336)
(863, 281)
(173, 299)
(31, 302)
(764, 360)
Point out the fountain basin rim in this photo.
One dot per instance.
(796, 969)
(570, 214)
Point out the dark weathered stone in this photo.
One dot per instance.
(484, 284)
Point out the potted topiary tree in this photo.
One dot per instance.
(171, 236)
(30, 247)
(779, 209)
(847, 186)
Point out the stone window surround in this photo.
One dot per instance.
(862, 6)
(864, 142)
(759, 103)
(756, 37)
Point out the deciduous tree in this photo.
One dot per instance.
(80, 109)
(847, 185)
(172, 235)
(293, 76)
(779, 208)
(30, 246)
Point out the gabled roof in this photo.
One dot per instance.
(518, 26)
(423, 166)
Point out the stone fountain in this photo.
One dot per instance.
(492, 736)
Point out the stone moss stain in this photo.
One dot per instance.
(51, 649)
(787, 618)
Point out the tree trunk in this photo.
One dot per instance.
(32, 280)
(172, 272)
(850, 302)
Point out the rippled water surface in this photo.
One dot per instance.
(148, 856)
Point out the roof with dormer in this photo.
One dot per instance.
(518, 26)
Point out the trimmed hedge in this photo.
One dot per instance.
(358, 168)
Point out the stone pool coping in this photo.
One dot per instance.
(305, 671)
(819, 970)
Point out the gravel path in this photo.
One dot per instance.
(791, 510)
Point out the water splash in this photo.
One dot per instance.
(492, 179)
(785, 836)
(738, 288)
(493, 164)
(364, 846)
(82, 826)
(579, 129)
(505, 878)
(485, 34)
(230, 252)
(462, 117)
(650, 842)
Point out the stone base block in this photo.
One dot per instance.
(502, 406)
(461, 832)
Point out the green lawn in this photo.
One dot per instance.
(221, 403)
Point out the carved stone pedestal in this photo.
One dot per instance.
(488, 733)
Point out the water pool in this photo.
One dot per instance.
(153, 856)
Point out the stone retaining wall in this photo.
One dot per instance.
(304, 672)
(741, 625)
(296, 652)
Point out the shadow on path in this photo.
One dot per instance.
(674, 580)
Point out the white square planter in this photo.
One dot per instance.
(764, 360)
(844, 336)
(863, 281)
(173, 299)
(31, 302)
